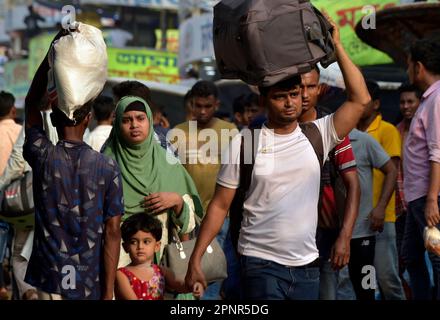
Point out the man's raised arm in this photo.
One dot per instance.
(38, 90)
(348, 115)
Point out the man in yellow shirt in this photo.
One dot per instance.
(199, 145)
(202, 142)
(383, 217)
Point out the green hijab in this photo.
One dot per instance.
(144, 167)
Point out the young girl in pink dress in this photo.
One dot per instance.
(141, 279)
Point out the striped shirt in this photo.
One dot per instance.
(341, 159)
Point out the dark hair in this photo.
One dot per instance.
(187, 97)
(222, 115)
(373, 89)
(204, 89)
(406, 87)
(141, 222)
(316, 68)
(285, 84)
(60, 120)
(132, 88)
(7, 101)
(427, 51)
(158, 108)
(80, 114)
(239, 104)
(253, 98)
(103, 108)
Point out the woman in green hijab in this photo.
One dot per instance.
(153, 180)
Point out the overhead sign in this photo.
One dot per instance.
(16, 12)
(150, 65)
(154, 4)
(346, 15)
(141, 64)
(16, 79)
(195, 40)
(3, 36)
(38, 48)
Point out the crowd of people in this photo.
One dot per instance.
(335, 207)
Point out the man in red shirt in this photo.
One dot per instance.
(333, 236)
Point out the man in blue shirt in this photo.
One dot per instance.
(78, 205)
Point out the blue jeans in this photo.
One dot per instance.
(345, 290)
(387, 264)
(335, 284)
(268, 280)
(414, 253)
(232, 284)
(332, 284)
(4, 236)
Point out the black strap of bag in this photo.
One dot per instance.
(312, 133)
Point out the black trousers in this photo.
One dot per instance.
(361, 267)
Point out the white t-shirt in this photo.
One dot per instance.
(281, 209)
(98, 136)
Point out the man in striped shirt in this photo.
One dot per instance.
(333, 236)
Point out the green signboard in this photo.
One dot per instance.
(16, 78)
(346, 15)
(141, 64)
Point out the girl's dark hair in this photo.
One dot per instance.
(141, 222)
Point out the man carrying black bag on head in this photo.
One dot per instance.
(277, 243)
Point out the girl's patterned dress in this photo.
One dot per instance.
(147, 290)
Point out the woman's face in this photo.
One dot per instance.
(134, 127)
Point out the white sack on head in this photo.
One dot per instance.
(78, 64)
